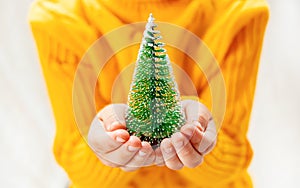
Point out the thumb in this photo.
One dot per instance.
(196, 112)
(113, 116)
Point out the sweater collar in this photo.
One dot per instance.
(139, 10)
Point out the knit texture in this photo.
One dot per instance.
(232, 29)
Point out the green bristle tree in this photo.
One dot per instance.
(154, 111)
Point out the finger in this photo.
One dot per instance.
(101, 141)
(115, 125)
(193, 133)
(170, 157)
(159, 159)
(196, 111)
(119, 135)
(113, 116)
(185, 151)
(209, 137)
(150, 158)
(125, 152)
(144, 157)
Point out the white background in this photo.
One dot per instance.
(27, 126)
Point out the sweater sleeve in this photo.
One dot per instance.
(237, 48)
(59, 58)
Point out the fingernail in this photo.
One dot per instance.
(168, 150)
(114, 124)
(188, 132)
(198, 125)
(141, 153)
(178, 144)
(132, 149)
(119, 139)
(109, 127)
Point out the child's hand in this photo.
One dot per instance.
(112, 143)
(195, 139)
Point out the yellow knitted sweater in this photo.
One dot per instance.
(232, 29)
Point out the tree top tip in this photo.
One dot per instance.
(151, 18)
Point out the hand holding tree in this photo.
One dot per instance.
(155, 127)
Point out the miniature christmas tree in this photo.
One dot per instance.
(154, 111)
